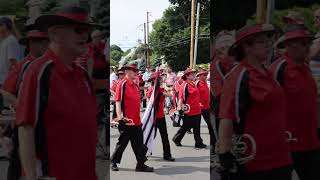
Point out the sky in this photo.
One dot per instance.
(127, 18)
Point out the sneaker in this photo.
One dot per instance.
(114, 166)
(143, 168)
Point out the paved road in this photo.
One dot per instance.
(190, 163)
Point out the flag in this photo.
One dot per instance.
(149, 118)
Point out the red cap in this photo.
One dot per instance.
(187, 72)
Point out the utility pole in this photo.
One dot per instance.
(145, 43)
(261, 11)
(197, 35)
(270, 9)
(192, 32)
(147, 40)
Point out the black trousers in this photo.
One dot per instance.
(135, 136)
(306, 164)
(282, 173)
(188, 123)
(206, 116)
(162, 126)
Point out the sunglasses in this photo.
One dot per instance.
(77, 29)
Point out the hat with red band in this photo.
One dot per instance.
(34, 34)
(248, 32)
(132, 67)
(65, 16)
(187, 72)
(120, 72)
(294, 32)
(202, 73)
(293, 17)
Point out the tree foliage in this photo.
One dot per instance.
(50, 6)
(116, 53)
(102, 15)
(230, 14)
(13, 7)
(170, 37)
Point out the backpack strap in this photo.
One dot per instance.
(40, 131)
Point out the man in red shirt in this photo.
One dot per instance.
(300, 89)
(189, 106)
(160, 117)
(205, 101)
(36, 43)
(113, 90)
(53, 126)
(130, 126)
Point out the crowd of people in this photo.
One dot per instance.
(263, 86)
(56, 95)
(188, 92)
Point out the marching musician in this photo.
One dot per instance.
(114, 88)
(160, 117)
(294, 75)
(130, 126)
(189, 107)
(253, 103)
(49, 108)
(36, 43)
(205, 101)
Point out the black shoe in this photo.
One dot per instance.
(176, 143)
(143, 168)
(168, 158)
(201, 146)
(114, 166)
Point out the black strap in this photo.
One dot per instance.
(40, 131)
(280, 73)
(221, 69)
(244, 103)
(186, 94)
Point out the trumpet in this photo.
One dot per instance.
(115, 123)
(239, 148)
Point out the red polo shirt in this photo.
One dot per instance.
(204, 94)
(69, 117)
(96, 52)
(189, 92)
(114, 85)
(160, 112)
(129, 95)
(301, 103)
(256, 103)
(219, 69)
(14, 78)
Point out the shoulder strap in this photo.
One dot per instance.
(197, 84)
(40, 131)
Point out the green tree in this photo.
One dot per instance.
(49, 6)
(170, 37)
(102, 14)
(116, 53)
